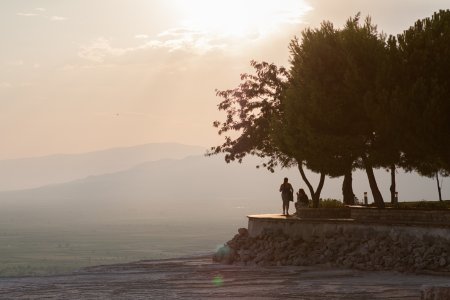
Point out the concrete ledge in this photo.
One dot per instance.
(419, 217)
(367, 221)
(401, 215)
(305, 228)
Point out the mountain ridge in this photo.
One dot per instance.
(26, 173)
(196, 186)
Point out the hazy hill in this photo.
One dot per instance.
(39, 171)
(195, 186)
(192, 188)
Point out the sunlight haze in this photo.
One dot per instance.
(111, 158)
(83, 75)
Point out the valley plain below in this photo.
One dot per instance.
(49, 249)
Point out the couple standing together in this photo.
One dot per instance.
(287, 195)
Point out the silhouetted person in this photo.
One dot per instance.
(287, 194)
(302, 200)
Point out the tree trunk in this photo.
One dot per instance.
(393, 187)
(308, 184)
(438, 186)
(377, 197)
(316, 199)
(347, 189)
(315, 195)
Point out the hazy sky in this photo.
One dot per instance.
(81, 75)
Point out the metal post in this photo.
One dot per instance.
(366, 202)
(396, 198)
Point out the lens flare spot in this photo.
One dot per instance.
(217, 280)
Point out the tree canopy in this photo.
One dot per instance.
(351, 98)
(333, 74)
(425, 93)
(250, 109)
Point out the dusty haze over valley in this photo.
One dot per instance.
(106, 118)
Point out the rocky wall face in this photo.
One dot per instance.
(435, 293)
(324, 213)
(349, 247)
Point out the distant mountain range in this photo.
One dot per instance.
(34, 172)
(193, 187)
(122, 184)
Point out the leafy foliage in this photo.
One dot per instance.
(254, 112)
(351, 99)
(425, 94)
(250, 110)
(331, 203)
(332, 88)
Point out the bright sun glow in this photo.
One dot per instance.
(240, 18)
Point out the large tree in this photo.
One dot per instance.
(424, 50)
(300, 131)
(249, 110)
(350, 100)
(385, 109)
(252, 110)
(333, 83)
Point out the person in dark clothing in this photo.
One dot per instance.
(287, 194)
(302, 200)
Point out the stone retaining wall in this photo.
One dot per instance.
(435, 293)
(276, 241)
(325, 213)
(306, 228)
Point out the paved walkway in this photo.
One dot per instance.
(199, 278)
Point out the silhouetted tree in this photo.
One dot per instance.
(350, 100)
(252, 110)
(385, 111)
(249, 110)
(424, 50)
(333, 83)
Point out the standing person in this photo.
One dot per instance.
(287, 194)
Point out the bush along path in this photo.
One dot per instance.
(360, 250)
